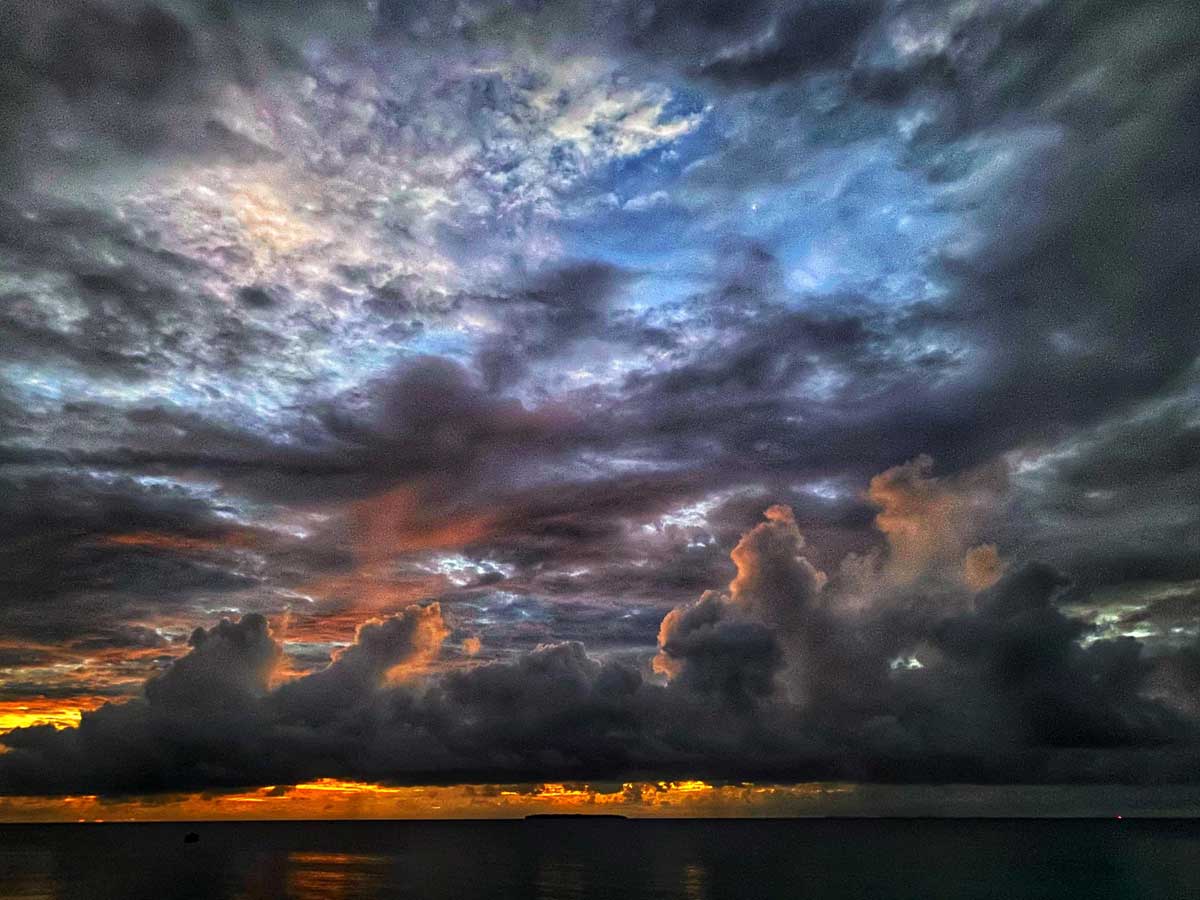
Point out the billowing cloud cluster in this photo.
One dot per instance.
(780, 678)
(523, 313)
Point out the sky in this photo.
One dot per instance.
(482, 407)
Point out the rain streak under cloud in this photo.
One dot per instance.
(426, 395)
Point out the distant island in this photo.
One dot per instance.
(533, 816)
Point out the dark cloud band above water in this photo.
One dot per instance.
(788, 676)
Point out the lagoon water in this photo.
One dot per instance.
(827, 859)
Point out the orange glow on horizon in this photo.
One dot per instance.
(330, 798)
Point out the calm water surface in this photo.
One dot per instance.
(826, 859)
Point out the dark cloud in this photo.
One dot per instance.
(67, 536)
(1066, 248)
(229, 666)
(1099, 475)
(810, 37)
(713, 648)
(88, 82)
(754, 43)
(544, 319)
(122, 636)
(380, 649)
(1026, 653)
(768, 680)
(425, 419)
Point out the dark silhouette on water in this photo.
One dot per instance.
(191, 838)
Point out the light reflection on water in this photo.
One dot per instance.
(630, 860)
(27, 875)
(695, 882)
(334, 876)
(560, 880)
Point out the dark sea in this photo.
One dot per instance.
(631, 859)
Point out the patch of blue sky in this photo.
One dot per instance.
(685, 100)
(658, 167)
(458, 342)
(36, 386)
(353, 356)
(643, 228)
(852, 217)
(661, 242)
(860, 222)
(652, 243)
(499, 607)
(262, 400)
(349, 359)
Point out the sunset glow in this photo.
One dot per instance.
(61, 712)
(328, 798)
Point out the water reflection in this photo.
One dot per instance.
(633, 860)
(27, 876)
(559, 879)
(695, 882)
(334, 876)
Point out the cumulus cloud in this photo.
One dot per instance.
(1005, 685)
(714, 647)
(774, 581)
(738, 643)
(87, 82)
(384, 652)
(982, 566)
(930, 522)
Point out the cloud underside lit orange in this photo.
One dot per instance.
(333, 799)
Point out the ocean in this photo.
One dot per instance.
(999, 859)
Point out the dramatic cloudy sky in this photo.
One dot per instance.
(679, 392)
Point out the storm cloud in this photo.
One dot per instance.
(395, 391)
(780, 678)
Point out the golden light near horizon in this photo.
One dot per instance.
(329, 798)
